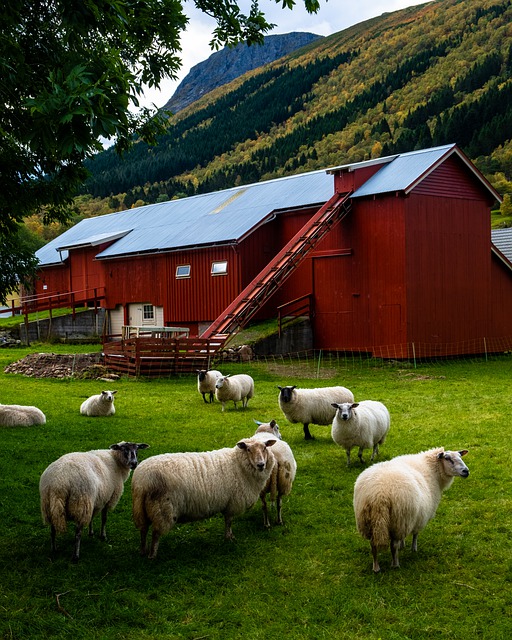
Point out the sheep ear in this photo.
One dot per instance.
(114, 392)
(115, 447)
(354, 405)
(440, 455)
(142, 445)
(463, 452)
(269, 443)
(280, 388)
(335, 405)
(241, 444)
(273, 423)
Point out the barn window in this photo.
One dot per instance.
(148, 312)
(183, 271)
(219, 268)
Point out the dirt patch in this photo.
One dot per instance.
(57, 365)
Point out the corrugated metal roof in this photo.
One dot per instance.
(404, 171)
(502, 239)
(218, 217)
(225, 217)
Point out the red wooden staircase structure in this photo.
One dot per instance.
(268, 281)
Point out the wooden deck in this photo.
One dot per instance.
(159, 357)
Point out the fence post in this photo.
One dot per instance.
(414, 355)
(319, 361)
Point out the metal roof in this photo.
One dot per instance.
(221, 217)
(502, 240)
(225, 217)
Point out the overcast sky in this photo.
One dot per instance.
(333, 16)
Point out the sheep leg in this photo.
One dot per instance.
(78, 537)
(211, 396)
(155, 541)
(266, 519)
(143, 539)
(360, 455)
(375, 451)
(278, 507)
(307, 434)
(414, 546)
(228, 533)
(376, 567)
(348, 457)
(103, 530)
(395, 544)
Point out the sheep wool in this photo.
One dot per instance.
(396, 498)
(206, 379)
(362, 424)
(101, 404)
(183, 487)
(79, 485)
(282, 477)
(314, 406)
(17, 415)
(238, 388)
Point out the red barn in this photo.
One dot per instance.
(395, 255)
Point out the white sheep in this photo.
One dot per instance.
(281, 479)
(311, 405)
(101, 404)
(79, 485)
(239, 388)
(362, 424)
(17, 415)
(398, 497)
(206, 379)
(182, 487)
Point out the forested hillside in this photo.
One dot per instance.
(427, 75)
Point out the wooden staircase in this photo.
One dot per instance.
(268, 281)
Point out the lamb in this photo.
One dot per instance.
(101, 404)
(399, 497)
(281, 479)
(360, 424)
(206, 379)
(182, 487)
(79, 485)
(311, 405)
(17, 415)
(239, 387)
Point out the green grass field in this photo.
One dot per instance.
(311, 578)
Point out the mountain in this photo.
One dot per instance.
(229, 63)
(427, 75)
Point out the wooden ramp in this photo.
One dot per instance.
(268, 281)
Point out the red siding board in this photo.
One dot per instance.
(451, 180)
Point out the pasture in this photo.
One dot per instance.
(311, 578)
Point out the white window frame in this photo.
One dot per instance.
(219, 268)
(148, 309)
(180, 276)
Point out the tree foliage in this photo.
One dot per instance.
(72, 73)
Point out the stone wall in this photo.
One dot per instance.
(85, 326)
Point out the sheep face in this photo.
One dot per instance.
(257, 453)
(220, 382)
(269, 427)
(452, 462)
(108, 396)
(345, 409)
(201, 374)
(128, 451)
(286, 393)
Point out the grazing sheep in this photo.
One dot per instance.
(239, 387)
(182, 487)
(399, 497)
(281, 479)
(17, 415)
(360, 424)
(79, 485)
(206, 379)
(101, 404)
(311, 405)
